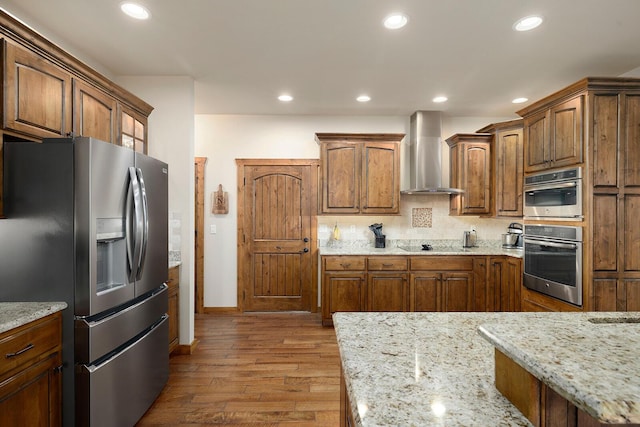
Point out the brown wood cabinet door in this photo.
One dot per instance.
(509, 173)
(514, 284)
(275, 257)
(537, 153)
(496, 280)
(566, 132)
(476, 178)
(604, 140)
(482, 293)
(387, 292)
(94, 113)
(457, 292)
(343, 291)
(341, 177)
(133, 129)
(631, 149)
(37, 95)
(173, 311)
(32, 397)
(425, 292)
(380, 191)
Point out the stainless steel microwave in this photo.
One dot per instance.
(554, 195)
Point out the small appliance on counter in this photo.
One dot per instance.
(469, 239)
(513, 238)
(380, 238)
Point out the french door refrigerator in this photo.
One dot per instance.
(87, 223)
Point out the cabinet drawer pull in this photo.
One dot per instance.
(19, 352)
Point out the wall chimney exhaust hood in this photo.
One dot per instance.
(425, 155)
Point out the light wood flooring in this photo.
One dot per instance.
(266, 369)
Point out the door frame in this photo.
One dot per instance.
(200, 163)
(242, 273)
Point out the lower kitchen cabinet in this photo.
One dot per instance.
(404, 283)
(505, 276)
(30, 373)
(387, 292)
(174, 307)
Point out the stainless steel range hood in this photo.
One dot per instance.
(425, 155)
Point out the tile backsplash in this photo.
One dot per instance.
(422, 219)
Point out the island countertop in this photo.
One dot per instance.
(422, 369)
(590, 359)
(16, 314)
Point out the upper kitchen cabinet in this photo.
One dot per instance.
(360, 173)
(94, 113)
(37, 98)
(49, 93)
(553, 133)
(470, 170)
(133, 129)
(508, 167)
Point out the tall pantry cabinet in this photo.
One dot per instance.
(595, 123)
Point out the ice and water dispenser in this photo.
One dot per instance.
(111, 254)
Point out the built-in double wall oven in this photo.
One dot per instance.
(554, 195)
(553, 261)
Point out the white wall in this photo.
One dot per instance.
(225, 138)
(171, 139)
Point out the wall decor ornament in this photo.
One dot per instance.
(220, 201)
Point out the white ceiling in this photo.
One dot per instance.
(243, 53)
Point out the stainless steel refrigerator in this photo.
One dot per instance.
(87, 223)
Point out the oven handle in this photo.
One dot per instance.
(551, 244)
(551, 186)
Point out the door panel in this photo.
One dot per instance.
(276, 260)
(155, 267)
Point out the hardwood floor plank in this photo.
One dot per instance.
(256, 369)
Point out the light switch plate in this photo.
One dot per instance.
(213, 229)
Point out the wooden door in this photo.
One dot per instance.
(380, 191)
(387, 292)
(425, 291)
(536, 134)
(457, 292)
(509, 172)
(341, 177)
(37, 95)
(199, 169)
(566, 133)
(94, 113)
(277, 250)
(476, 172)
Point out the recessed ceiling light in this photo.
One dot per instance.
(520, 100)
(135, 10)
(395, 21)
(527, 23)
(285, 98)
(363, 98)
(440, 99)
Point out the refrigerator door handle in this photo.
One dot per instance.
(145, 230)
(134, 224)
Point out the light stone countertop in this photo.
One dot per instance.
(422, 369)
(596, 366)
(415, 250)
(174, 263)
(16, 314)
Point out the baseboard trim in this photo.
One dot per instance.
(220, 310)
(186, 349)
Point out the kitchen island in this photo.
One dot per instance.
(436, 369)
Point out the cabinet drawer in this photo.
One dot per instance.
(387, 263)
(442, 263)
(344, 263)
(29, 342)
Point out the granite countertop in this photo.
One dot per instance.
(15, 314)
(421, 369)
(174, 263)
(415, 250)
(596, 366)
